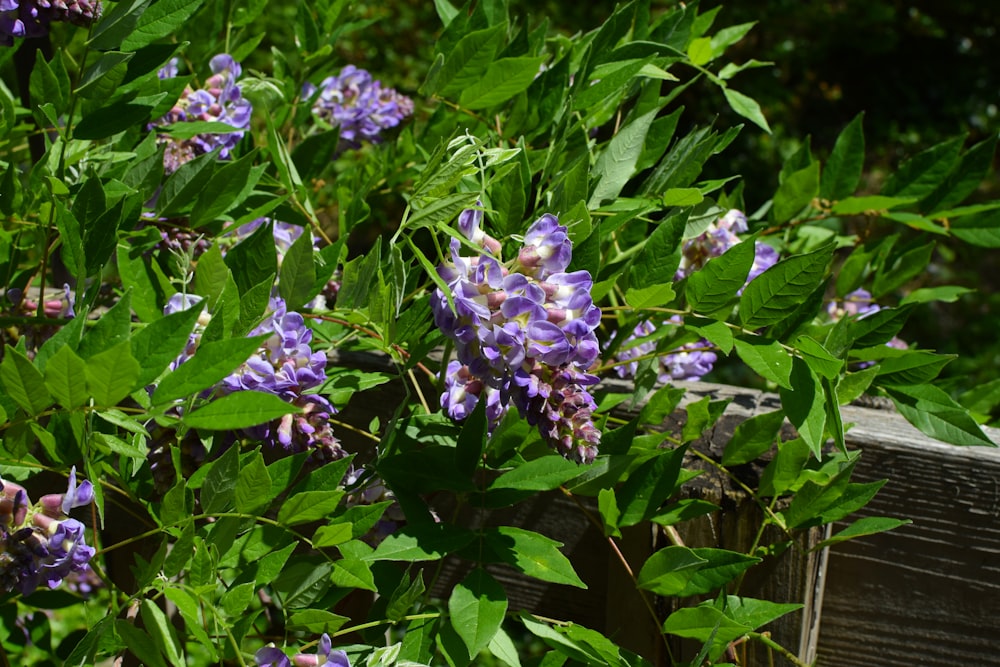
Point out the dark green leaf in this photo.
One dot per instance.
(746, 107)
(772, 296)
(869, 525)
(798, 190)
(843, 170)
(352, 573)
(804, 404)
(253, 487)
(23, 382)
(161, 342)
(649, 485)
(117, 24)
(617, 161)
(964, 179)
(981, 230)
(542, 474)
(229, 185)
(936, 414)
(65, 378)
(467, 63)
(718, 568)
(160, 20)
(422, 542)
(112, 374)
(219, 490)
(923, 173)
(504, 79)
(472, 440)
(714, 286)
(753, 438)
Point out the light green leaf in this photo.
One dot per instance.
(253, 487)
(869, 525)
(768, 358)
(714, 286)
(870, 203)
(617, 161)
(309, 506)
(112, 374)
(804, 403)
(212, 362)
(504, 79)
(774, 294)
(746, 107)
(925, 171)
(843, 170)
(542, 474)
(477, 607)
(353, 573)
(24, 383)
(240, 410)
(160, 20)
(668, 571)
(65, 378)
(935, 413)
(533, 554)
(795, 193)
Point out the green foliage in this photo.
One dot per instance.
(207, 492)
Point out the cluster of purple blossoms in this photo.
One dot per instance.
(31, 18)
(359, 105)
(688, 362)
(325, 656)
(720, 236)
(39, 544)
(286, 366)
(524, 334)
(220, 100)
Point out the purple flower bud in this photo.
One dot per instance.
(547, 248)
(269, 656)
(77, 496)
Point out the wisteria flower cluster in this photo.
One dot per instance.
(690, 361)
(524, 334)
(720, 236)
(286, 366)
(358, 104)
(40, 544)
(31, 18)
(325, 656)
(220, 100)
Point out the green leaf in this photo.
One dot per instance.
(472, 440)
(936, 414)
(717, 333)
(112, 328)
(706, 624)
(309, 506)
(795, 193)
(467, 63)
(753, 438)
(477, 607)
(332, 535)
(112, 374)
(253, 487)
(298, 272)
(981, 230)
(115, 117)
(869, 204)
(212, 362)
(316, 621)
(23, 382)
(853, 385)
(533, 554)
(161, 342)
(877, 328)
(160, 20)
(182, 188)
(746, 107)
(240, 410)
(684, 510)
(162, 632)
(504, 79)
(804, 403)
(813, 499)
(607, 507)
(770, 297)
(756, 613)
(767, 357)
(946, 293)
(924, 172)
(869, 525)
(819, 358)
(219, 490)
(964, 179)
(65, 378)
(422, 542)
(542, 474)
(503, 649)
(254, 260)
(714, 286)
(719, 567)
(668, 571)
(700, 50)
(660, 256)
(843, 170)
(649, 297)
(911, 367)
(139, 644)
(228, 187)
(682, 196)
(117, 24)
(649, 485)
(353, 573)
(617, 161)
(104, 75)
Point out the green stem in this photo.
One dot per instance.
(765, 639)
(384, 621)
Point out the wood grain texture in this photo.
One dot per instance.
(927, 593)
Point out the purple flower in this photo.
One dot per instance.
(220, 101)
(547, 248)
(327, 657)
(523, 336)
(360, 106)
(765, 257)
(31, 18)
(269, 656)
(77, 496)
(690, 361)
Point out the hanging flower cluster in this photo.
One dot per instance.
(286, 366)
(359, 105)
(40, 544)
(270, 656)
(31, 18)
(688, 362)
(221, 100)
(720, 236)
(524, 334)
